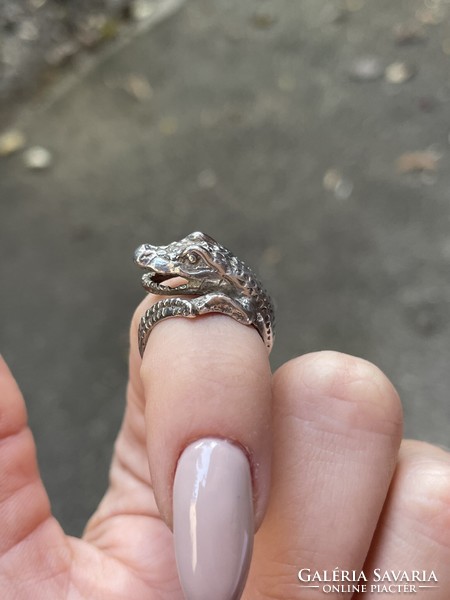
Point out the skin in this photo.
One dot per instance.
(345, 490)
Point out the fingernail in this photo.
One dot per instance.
(213, 520)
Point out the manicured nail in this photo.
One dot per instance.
(213, 520)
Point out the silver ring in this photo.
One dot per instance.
(216, 282)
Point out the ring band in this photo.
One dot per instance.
(216, 282)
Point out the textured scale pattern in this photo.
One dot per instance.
(217, 281)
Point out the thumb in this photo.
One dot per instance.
(31, 540)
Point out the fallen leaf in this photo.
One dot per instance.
(11, 141)
(413, 162)
(139, 87)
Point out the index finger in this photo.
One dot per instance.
(206, 379)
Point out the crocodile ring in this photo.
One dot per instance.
(216, 282)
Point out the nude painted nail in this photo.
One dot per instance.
(213, 520)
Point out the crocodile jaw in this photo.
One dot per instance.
(153, 282)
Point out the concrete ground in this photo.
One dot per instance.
(272, 127)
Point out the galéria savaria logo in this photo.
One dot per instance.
(378, 581)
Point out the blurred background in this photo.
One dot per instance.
(311, 138)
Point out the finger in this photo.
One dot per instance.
(205, 380)
(337, 428)
(26, 523)
(413, 533)
(209, 377)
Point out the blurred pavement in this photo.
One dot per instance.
(273, 127)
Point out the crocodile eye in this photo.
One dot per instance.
(192, 258)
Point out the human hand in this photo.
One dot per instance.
(342, 494)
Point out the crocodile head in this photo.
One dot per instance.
(197, 258)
